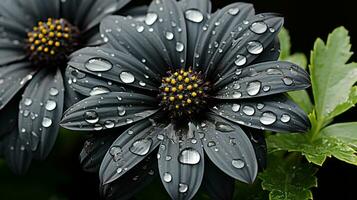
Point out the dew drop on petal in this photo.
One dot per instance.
(268, 118)
(50, 105)
(126, 77)
(253, 88)
(211, 144)
(259, 27)
(260, 106)
(194, 15)
(140, 29)
(223, 127)
(167, 177)
(46, 122)
(288, 81)
(233, 11)
(91, 117)
(285, 118)
(27, 102)
(98, 91)
(151, 18)
(266, 88)
(248, 110)
(169, 35)
(189, 156)
(235, 107)
(121, 111)
(237, 95)
(109, 124)
(241, 60)
(238, 163)
(141, 147)
(98, 65)
(183, 188)
(116, 152)
(179, 47)
(53, 91)
(255, 47)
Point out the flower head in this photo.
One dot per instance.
(36, 38)
(184, 82)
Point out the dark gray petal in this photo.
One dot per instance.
(218, 185)
(41, 110)
(139, 40)
(217, 32)
(275, 113)
(181, 161)
(11, 29)
(258, 141)
(262, 79)
(11, 51)
(94, 150)
(137, 12)
(131, 147)
(17, 156)
(229, 148)
(12, 78)
(8, 116)
(271, 53)
(89, 85)
(194, 12)
(109, 110)
(132, 182)
(71, 96)
(167, 19)
(118, 67)
(20, 13)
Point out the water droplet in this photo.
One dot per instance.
(141, 83)
(268, 118)
(50, 105)
(211, 144)
(27, 102)
(121, 111)
(116, 153)
(253, 88)
(98, 91)
(46, 122)
(260, 106)
(189, 156)
(140, 29)
(235, 107)
(179, 47)
(151, 18)
(237, 95)
(255, 47)
(241, 60)
(266, 88)
(98, 65)
(141, 147)
(129, 121)
(127, 77)
(259, 27)
(288, 81)
(160, 137)
(285, 118)
(91, 117)
(236, 86)
(248, 110)
(109, 124)
(194, 15)
(119, 170)
(233, 11)
(53, 91)
(238, 163)
(167, 177)
(169, 36)
(98, 127)
(238, 72)
(183, 188)
(224, 127)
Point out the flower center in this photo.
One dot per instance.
(51, 42)
(183, 93)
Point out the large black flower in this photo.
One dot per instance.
(36, 37)
(184, 81)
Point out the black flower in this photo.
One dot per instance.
(36, 37)
(184, 81)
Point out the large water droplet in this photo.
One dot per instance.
(109, 124)
(194, 15)
(91, 117)
(98, 65)
(50, 105)
(179, 47)
(140, 29)
(141, 147)
(268, 118)
(241, 60)
(224, 127)
(233, 11)
(189, 156)
(235, 107)
(255, 47)
(248, 110)
(151, 18)
(183, 188)
(98, 91)
(285, 118)
(253, 88)
(259, 27)
(116, 152)
(121, 111)
(53, 91)
(238, 163)
(167, 177)
(27, 102)
(127, 77)
(237, 95)
(288, 81)
(169, 35)
(46, 122)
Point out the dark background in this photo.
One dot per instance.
(61, 178)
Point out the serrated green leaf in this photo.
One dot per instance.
(288, 179)
(316, 150)
(352, 100)
(346, 132)
(331, 78)
(302, 98)
(285, 45)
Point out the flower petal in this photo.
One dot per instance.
(275, 113)
(271, 53)
(11, 29)
(181, 162)
(109, 110)
(111, 65)
(229, 148)
(217, 30)
(262, 79)
(131, 147)
(258, 141)
(166, 17)
(139, 40)
(8, 116)
(133, 181)
(71, 96)
(11, 51)
(12, 78)
(41, 110)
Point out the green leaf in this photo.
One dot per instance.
(316, 150)
(298, 58)
(332, 79)
(346, 132)
(285, 45)
(288, 179)
(302, 98)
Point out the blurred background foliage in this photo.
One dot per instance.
(60, 177)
